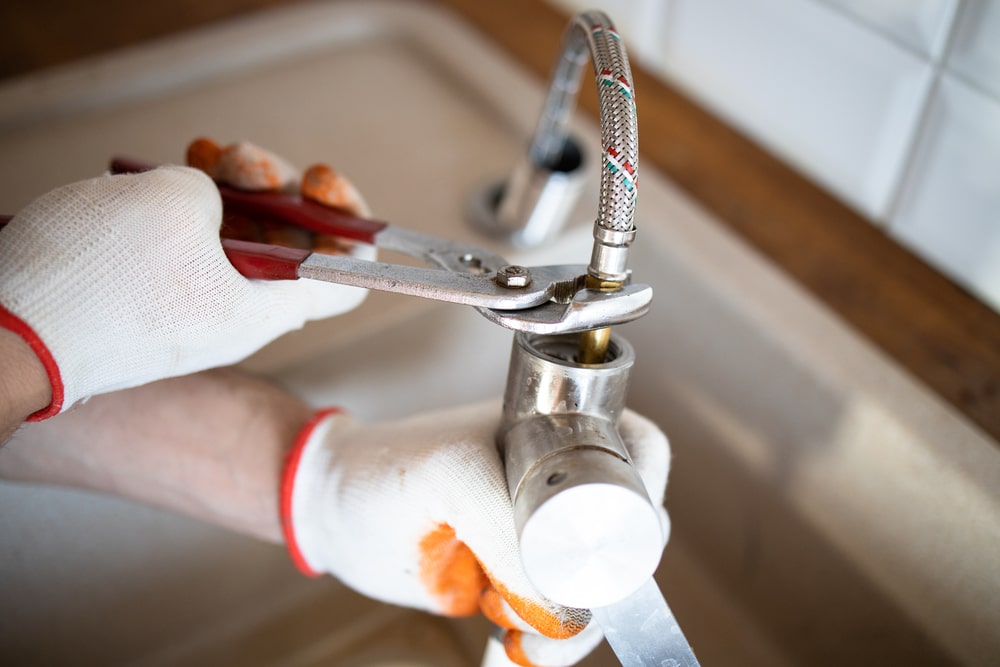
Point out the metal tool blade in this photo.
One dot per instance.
(643, 631)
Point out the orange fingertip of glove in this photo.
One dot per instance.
(515, 652)
(492, 606)
(292, 460)
(12, 322)
(323, 185)
(204, 154)
(242, 165)
(536, 615)
(450, 572)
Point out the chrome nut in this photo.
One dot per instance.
(513, 277)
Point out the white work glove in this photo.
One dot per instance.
(121, 280)
(417, 513)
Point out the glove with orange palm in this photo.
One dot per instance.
(417, 513)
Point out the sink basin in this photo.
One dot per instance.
(826, 507)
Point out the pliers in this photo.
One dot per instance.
(538, 299)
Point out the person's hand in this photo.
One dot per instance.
(120, 280)
(417, 513)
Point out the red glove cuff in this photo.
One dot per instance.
(291, 469)
(12, 322)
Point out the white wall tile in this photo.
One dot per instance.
(921, 25)
(828, 95)
(975, 45)
(949, 210)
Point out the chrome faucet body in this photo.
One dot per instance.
(551, 468)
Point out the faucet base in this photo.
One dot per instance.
(534, 203)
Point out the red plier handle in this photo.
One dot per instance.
(267, 261)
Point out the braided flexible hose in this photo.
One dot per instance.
(593, 33)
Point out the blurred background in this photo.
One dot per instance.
(827, 365)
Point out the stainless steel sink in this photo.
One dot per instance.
(826, 507)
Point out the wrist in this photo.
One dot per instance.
(291, 495)
(24, 382)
